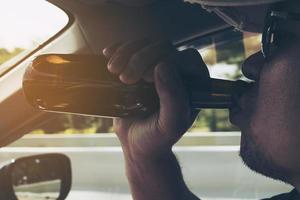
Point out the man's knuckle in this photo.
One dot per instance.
(129, 77)
(121, 50)
(135, 59)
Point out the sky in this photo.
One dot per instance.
(27, 23)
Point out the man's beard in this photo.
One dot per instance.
(259, 161)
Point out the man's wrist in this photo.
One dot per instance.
(154, 156)
(161, 172)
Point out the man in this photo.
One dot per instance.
(267, 114)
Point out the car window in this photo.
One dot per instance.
(223, 53)
(25, 26)
(97, 161)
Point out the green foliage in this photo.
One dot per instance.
(70, 124)
(5, 54)
(213, 120)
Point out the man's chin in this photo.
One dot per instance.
(259, 161)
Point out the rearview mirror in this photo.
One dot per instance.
(46, 176)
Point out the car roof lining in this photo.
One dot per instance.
(104, 23)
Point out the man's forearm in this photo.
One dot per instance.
(158, 178)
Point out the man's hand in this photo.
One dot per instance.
(162, 63)
(147, 140)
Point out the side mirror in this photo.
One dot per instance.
(46, 176)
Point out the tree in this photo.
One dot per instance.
(5, 54)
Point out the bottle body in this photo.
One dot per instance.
(82, 84)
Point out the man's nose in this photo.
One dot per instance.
(253, 65)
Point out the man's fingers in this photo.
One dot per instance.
(120, 125)
(175, 112)
(148, 76)
(109, 51)
(145, 60)
(123, 53)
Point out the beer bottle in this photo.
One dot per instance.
(82, 84)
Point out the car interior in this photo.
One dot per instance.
(93, 25)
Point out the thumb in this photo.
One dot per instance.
(175, 111)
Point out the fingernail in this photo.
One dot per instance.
(104, 51)
(126, 80)
(110, 64)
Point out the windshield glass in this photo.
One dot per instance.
(223, 53)
(25, 26)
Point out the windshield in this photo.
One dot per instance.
(25, 26)
(223, 53)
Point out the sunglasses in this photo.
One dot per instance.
(270, 34)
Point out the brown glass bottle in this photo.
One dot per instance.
(82, 84)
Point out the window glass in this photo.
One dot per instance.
(224, 57)
(25, 26)
(223, 53)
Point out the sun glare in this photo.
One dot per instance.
(27, 24)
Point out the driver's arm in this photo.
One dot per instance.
(157, 178)
(152, 169)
